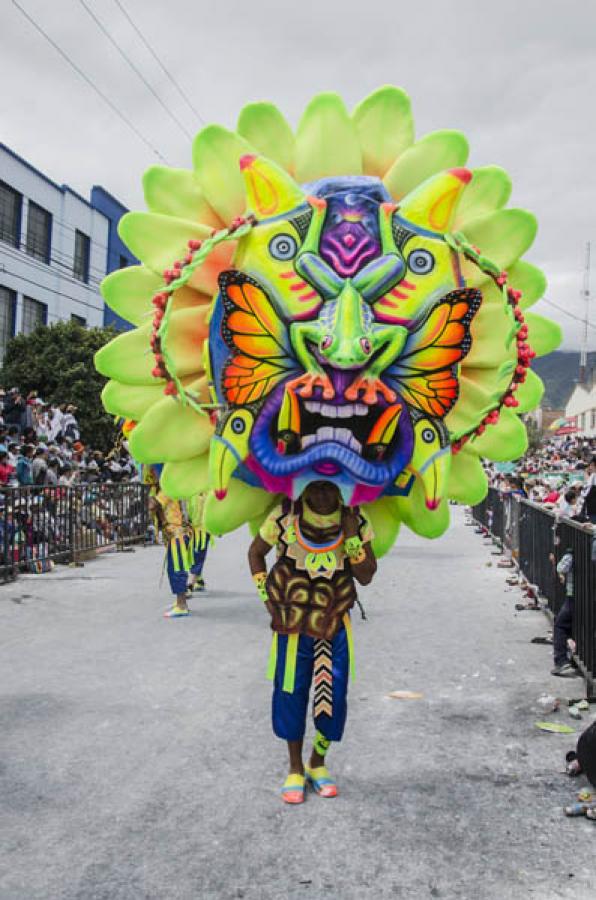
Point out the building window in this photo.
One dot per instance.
(39, 230)
(81, 256)
(593, 419)
(123, 262)
(34, 314)
(11, 204)
(78, 320)
(8, 300)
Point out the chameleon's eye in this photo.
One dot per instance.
(428, 435)
(366, 345)
(283, 246)
(238, 425)
(326, 342)
(421, 262)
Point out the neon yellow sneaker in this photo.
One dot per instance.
(176, 612)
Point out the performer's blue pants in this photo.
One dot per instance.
(199, 558)
(289, 710)
(178, 580)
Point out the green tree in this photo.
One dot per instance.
(57, 361)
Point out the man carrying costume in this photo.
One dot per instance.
(322, 546)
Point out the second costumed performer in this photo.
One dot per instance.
(322, 546)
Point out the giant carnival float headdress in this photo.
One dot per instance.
(344, 303)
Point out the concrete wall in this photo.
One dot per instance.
(582, 407)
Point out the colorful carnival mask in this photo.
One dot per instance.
(345, 305)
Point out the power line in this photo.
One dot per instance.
(46, 267)
(567, 313)
(44, 287)
(136, 70)
(158, 60)
(88, 80)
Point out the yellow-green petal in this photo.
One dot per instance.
(131, 401)
(159, 240)
(467, 479)
(240, 504)
(326, 140)
(431, 154)
(184, 479)
(216, 154)
(128, 358)
(544, 335)
(170, 432)
(502, 236)
(264, 126)
(385, 524)
(528, 279)
(529, 394)
(129, 292)
(177, 192)
(507, 440)
(385, 128)
(489, 190)
(489, 330)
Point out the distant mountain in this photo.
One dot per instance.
(560, 371)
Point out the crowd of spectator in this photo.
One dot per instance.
(40, 444)
(560, 475)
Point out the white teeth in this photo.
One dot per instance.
(312, 406)
(355, 444)
(361, 409)
(329, 411)
(307, 440)
(344, 412)
(342, 435)
(324, 434)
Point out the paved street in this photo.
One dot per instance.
(138, 763)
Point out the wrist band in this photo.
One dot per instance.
(355, 549)
(259, 579)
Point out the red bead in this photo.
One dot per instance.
(481, 429)
(170, 388)
(194, 245)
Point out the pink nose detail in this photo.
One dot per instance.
(219, 494)
(432, 504)
(349, 240)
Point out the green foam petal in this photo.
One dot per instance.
(187, 331)
(264, 126)
(385, 524)
(478, 393)
(489, 190)
(241, 504)
(544, 335)
(431, 154)
(507, 440)
(503, 236)
(216, 153)
(131, 401)
(129, 291)
(170, 432)
(177, 192)
(385, 128)
(490, 327)
(128, 358)
(467, 479)
(326, 140)
(159, 240)
(525, 277)
(529, 394)
(184, 479)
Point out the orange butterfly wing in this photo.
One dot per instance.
(425, 373)
(258, 338)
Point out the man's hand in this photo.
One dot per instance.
(350, 521)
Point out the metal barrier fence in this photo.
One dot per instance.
(537, 540)
(40, 526)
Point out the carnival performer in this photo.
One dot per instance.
(322, 546)
(174, 524)
(200, 543)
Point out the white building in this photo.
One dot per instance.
(581, 408)
(54, 251)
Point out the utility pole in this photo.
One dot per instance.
(583, 356)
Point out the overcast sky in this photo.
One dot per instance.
(517, 76)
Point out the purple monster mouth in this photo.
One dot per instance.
(334, 436)
(347, 247)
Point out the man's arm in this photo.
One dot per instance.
(363, 569)
(257, 552)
